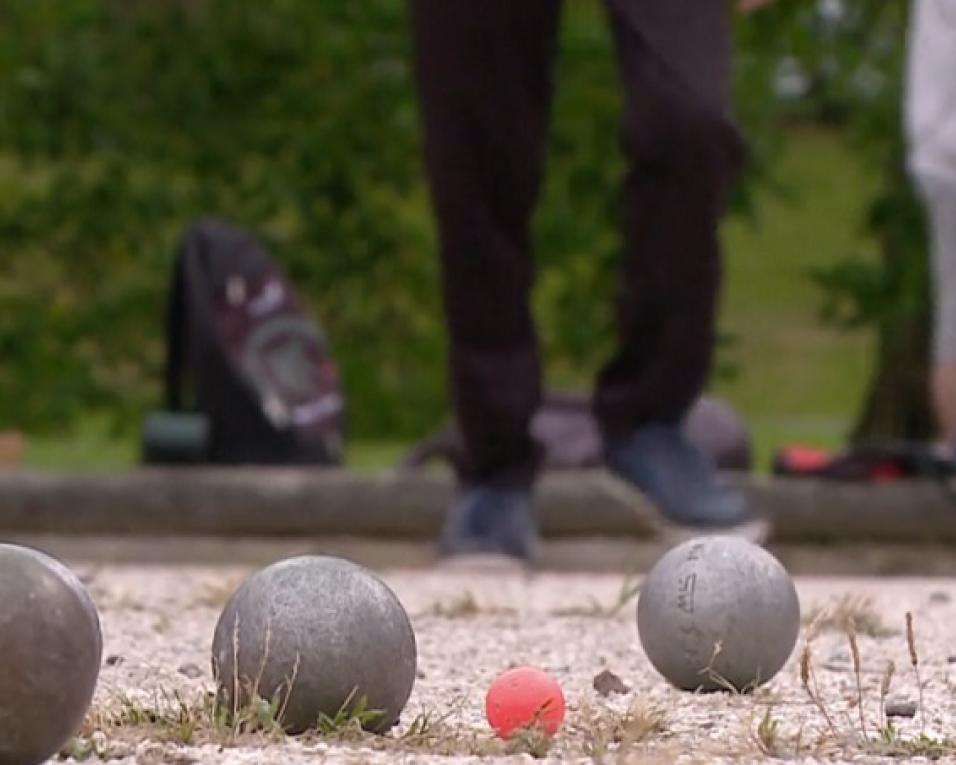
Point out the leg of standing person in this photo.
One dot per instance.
(484, 76)
(931, 132)
(683, 153)
(940, 200)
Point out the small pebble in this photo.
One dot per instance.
(838, 661)
(190, 670)
(900, 708)
(939, 597)
(606, 683)
(113, 660)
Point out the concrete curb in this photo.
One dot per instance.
(266, 502)
(283, 502)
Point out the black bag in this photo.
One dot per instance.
(243, 353)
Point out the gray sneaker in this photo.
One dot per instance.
(681, 481)
(490, 522)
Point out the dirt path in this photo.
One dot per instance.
(158, 624)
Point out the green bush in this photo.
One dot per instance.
(854, 58)
(121, 121)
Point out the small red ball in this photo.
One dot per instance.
(524, 697)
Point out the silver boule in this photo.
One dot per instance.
(50, 651)
(718, 613)
(317, 633)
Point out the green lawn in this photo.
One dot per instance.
(86, 450)
(798, 379)
(93, 449)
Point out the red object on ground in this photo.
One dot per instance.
(524, 697)
(887, 471)
(804, 459)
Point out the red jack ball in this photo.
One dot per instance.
(524, 697)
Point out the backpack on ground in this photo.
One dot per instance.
(565, 429)
(249, 377)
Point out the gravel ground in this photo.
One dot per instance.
(158, 623)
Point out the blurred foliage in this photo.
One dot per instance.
(123, 120)
(844, 64)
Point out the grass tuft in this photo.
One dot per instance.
(465, 606)
(849, 609)
(629, 590)
(605, 730)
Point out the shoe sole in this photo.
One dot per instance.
(754, 530)
(482, 563)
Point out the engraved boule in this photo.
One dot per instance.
(718, 613)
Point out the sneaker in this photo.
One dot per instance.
(681, 481)
(489, 523)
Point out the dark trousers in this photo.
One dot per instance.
(484, 74)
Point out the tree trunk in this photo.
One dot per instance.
(897, 402)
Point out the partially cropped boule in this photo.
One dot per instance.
(50, 651)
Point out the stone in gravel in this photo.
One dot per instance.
(319, 633)
(900, 708)
(190, 670)
(838, 661)
(606, 683)
(50, 653)
(113, 660)
(717, 612)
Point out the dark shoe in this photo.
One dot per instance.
(681, 481)
(485, 521)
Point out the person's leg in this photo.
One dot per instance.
(683, 153)
(940, 199)
(484, 76)
(943, 391)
